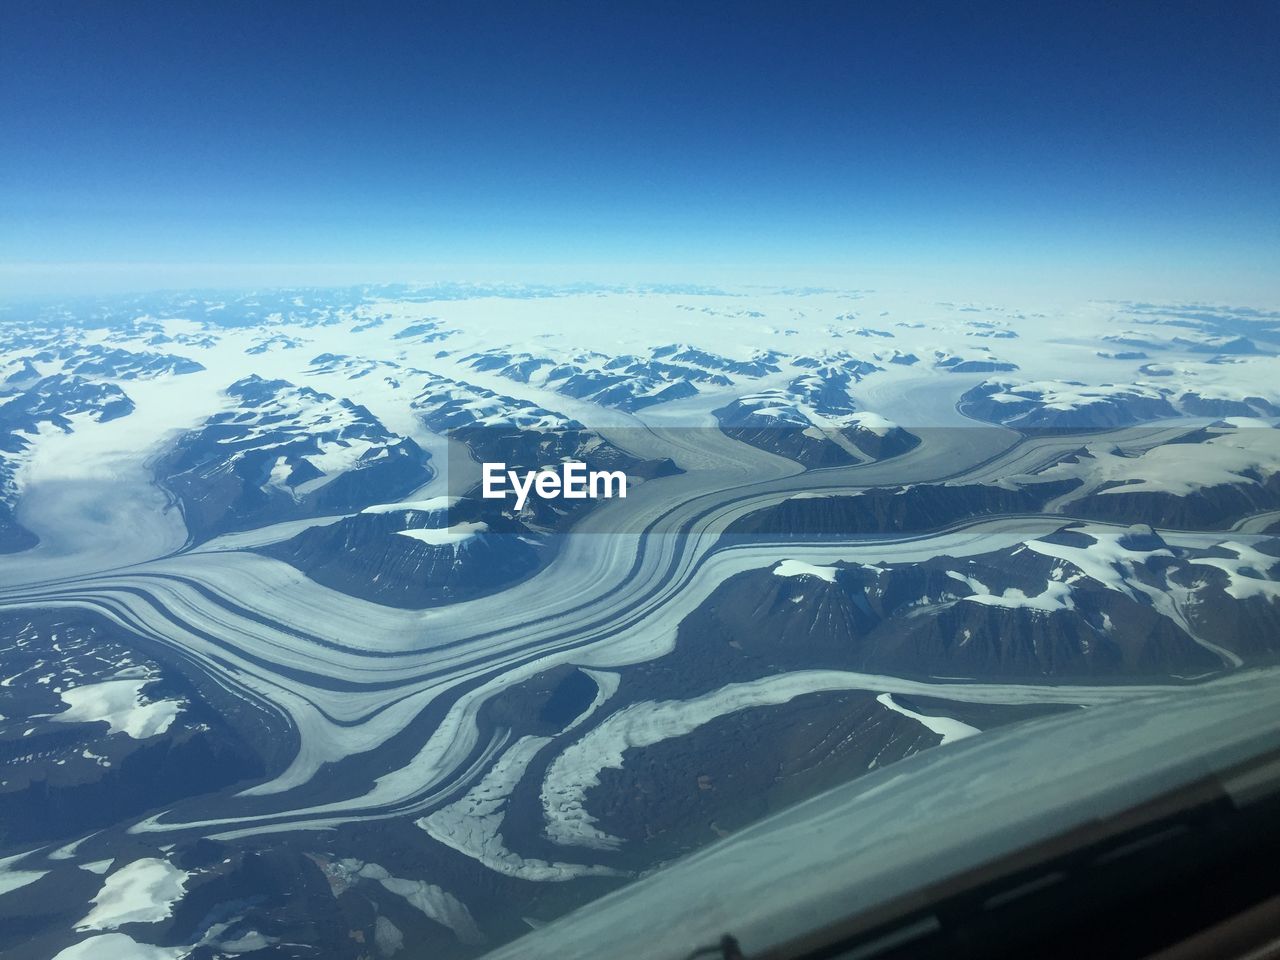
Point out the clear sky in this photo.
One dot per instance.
(1106, 144)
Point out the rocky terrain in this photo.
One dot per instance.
(285, 452)
(280, 682)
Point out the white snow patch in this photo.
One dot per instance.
(423, 506)
(117, 946)
(1245, 573)
(873, 422)
(1234, 458)
(13, 879)
(447, 536)
(143, 891)
(121, 705)
(1055, 596)
(798, 568)
(949, 729)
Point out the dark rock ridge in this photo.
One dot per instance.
(286, 453)
(525, 436)
(1217, 507)
(426, 331)
(956, 364)
(1198, 406)
(814, 420)
(1122, 355)
(461, 550)
(627, 382)
(1071, 404)
(64, 779)
(810, 445)
(278, 341)
(918, 619)
(1027, 406)
(117, 363)
(1161, 487)
(764, 362)
(1242, 616)
(55, 400)
(354, 368)
(1219, 345)
(908, 509)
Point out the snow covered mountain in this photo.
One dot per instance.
(416, 553)
(627, 382)
(524, 436)
(285, 452)
(274, 665)
(1070, 404)
(1081, 601)
(1210, 479)
(814, 420)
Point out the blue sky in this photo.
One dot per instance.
(152, 144)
